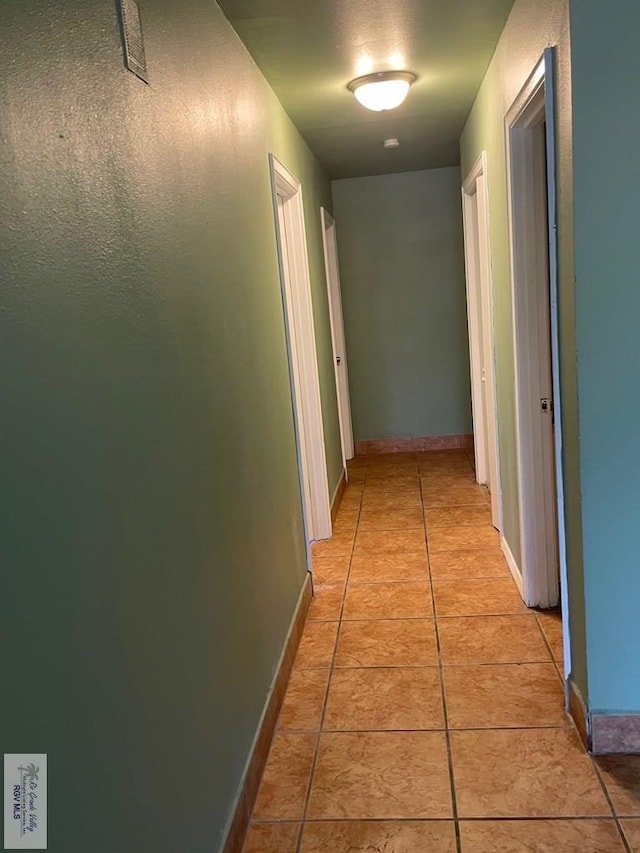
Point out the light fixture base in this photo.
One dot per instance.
(381, 77)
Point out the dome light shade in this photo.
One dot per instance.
(384, 90)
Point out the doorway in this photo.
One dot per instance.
(301, 346)
(475, 211)
(530, 144)
(330, 247)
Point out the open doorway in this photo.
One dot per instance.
(301, 344)
(337, 334)
(530, 143)
(481, 347)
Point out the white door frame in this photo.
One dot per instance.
(301, 344)
(332, 272)
(475, 215)
(531, 206)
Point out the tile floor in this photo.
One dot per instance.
(425, 709)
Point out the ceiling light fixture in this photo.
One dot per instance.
(384, 90)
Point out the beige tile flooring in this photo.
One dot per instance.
(425, 708)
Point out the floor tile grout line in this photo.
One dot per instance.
(472, 819)
(610, 802)
(447, 733)
(331, 668)
(492, 728)
(526, 615)
(548, 645)
(452, 665)
(414, 618)
(298, 836)
(447, 579)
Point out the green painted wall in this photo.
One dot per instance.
(403, 291)
(151, 542)
(606, 126)
(532, 26)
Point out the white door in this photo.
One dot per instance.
(337, 334)
(301, 344)
(481, 349)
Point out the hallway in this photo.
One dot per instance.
(367, 756)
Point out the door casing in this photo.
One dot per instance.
(301, 345)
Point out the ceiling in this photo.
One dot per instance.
(309, 50)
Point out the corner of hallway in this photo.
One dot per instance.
(425, 709)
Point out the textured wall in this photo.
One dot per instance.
(151, 536)
(606, 124)
(532, 26)
(403, 290)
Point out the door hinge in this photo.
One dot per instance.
(546, 404)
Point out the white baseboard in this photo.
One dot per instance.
(513, 566)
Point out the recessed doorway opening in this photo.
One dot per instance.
(337, 335)
(530, 144)
(475, 210)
